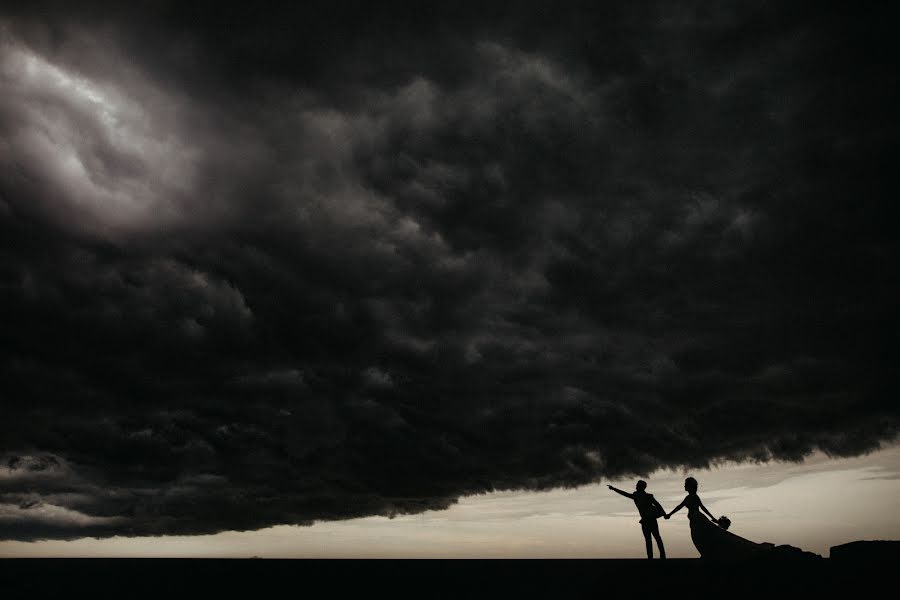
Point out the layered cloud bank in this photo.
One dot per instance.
(310, 263)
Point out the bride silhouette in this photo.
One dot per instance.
(710, 536)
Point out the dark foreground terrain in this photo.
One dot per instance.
(264, 578)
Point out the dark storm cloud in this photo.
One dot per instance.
(263, 267)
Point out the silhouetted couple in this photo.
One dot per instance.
(709, 535)
(650, 510)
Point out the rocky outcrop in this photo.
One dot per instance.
(866, 551)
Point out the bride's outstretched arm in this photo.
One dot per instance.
(706, 511)
(676, 509)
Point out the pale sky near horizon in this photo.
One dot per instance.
(816, 504)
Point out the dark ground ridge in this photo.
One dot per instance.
(430, 578)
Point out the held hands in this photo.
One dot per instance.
(667, 516)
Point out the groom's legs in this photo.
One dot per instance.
(646, 530)
(649, 529)
(659, 542)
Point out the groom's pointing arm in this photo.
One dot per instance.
(618, 491)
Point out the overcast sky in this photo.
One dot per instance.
(320, 261)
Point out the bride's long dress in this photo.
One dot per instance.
(714, 542)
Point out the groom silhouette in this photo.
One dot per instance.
(650, 510)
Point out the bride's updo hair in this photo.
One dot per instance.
(690, 484)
